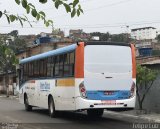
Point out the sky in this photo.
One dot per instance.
(111, 16)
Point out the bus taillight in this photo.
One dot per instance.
(82, 90)
(132, 90)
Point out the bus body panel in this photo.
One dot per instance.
(85, 103)
(39, 91)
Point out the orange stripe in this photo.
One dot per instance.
(65, 82)
(133, 61)
(79, 61)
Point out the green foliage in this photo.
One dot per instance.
(155, 52)
(43, 1)
(158, 38)
(74, 8)
(18, 45)
(1, 14)
(8, 59)
(145, 78)
(102, 36)
(145, 75)
(17, 1)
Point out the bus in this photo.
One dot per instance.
(85, 76)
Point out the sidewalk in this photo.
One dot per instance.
(10, 96)
(152, 117)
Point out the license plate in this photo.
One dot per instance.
(109, 102)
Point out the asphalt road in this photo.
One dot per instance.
(11, 111)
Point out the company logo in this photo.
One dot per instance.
(44, 86)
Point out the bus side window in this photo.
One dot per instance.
(56, 66)
(36, 68)
(53, 66)
(30, 70)
(72, 63)
(61, 65)
(66, 64)
(43, 68)
(49, 59)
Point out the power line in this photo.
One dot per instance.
(84, 1)
(100, 7)
(90, 26)
(109, 5)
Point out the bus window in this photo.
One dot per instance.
(61, 65)
(56, 66)
(66, 65)
(41, 68)
(45, 67)
(72, 62)
(49, 59)
(36, 68)
(30, 72)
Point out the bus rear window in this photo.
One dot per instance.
(109, 58)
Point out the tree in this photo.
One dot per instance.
(74, 8)
(145, 80)
(123, 37)
(8, 62)
(102, 36)
(14, 33)
(158, 38)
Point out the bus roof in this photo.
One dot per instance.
(68, 49)
(108, 43)
(50, 53)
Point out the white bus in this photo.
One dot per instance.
(90, 76)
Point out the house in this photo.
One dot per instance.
(79, 35)
(145, 33)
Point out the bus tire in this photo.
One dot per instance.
(95, 112)
(51, 108)
(26, 102)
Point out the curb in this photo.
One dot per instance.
(149, 119)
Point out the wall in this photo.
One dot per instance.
(11, 83)
(141, 60)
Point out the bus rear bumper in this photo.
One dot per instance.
(82, 104)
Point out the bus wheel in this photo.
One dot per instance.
(26, 102)
(51, 107)
(95, 112)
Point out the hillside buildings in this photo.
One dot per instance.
(146, 33)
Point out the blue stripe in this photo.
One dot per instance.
(99, 95)
(50, 53)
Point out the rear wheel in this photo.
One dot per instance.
(51, 107)
(26, 102)
(95, 112)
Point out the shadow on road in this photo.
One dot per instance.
(77, 117)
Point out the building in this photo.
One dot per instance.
(29, 39)
(143, 48)
(79, 35)
(145, 33)
(58, 33)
